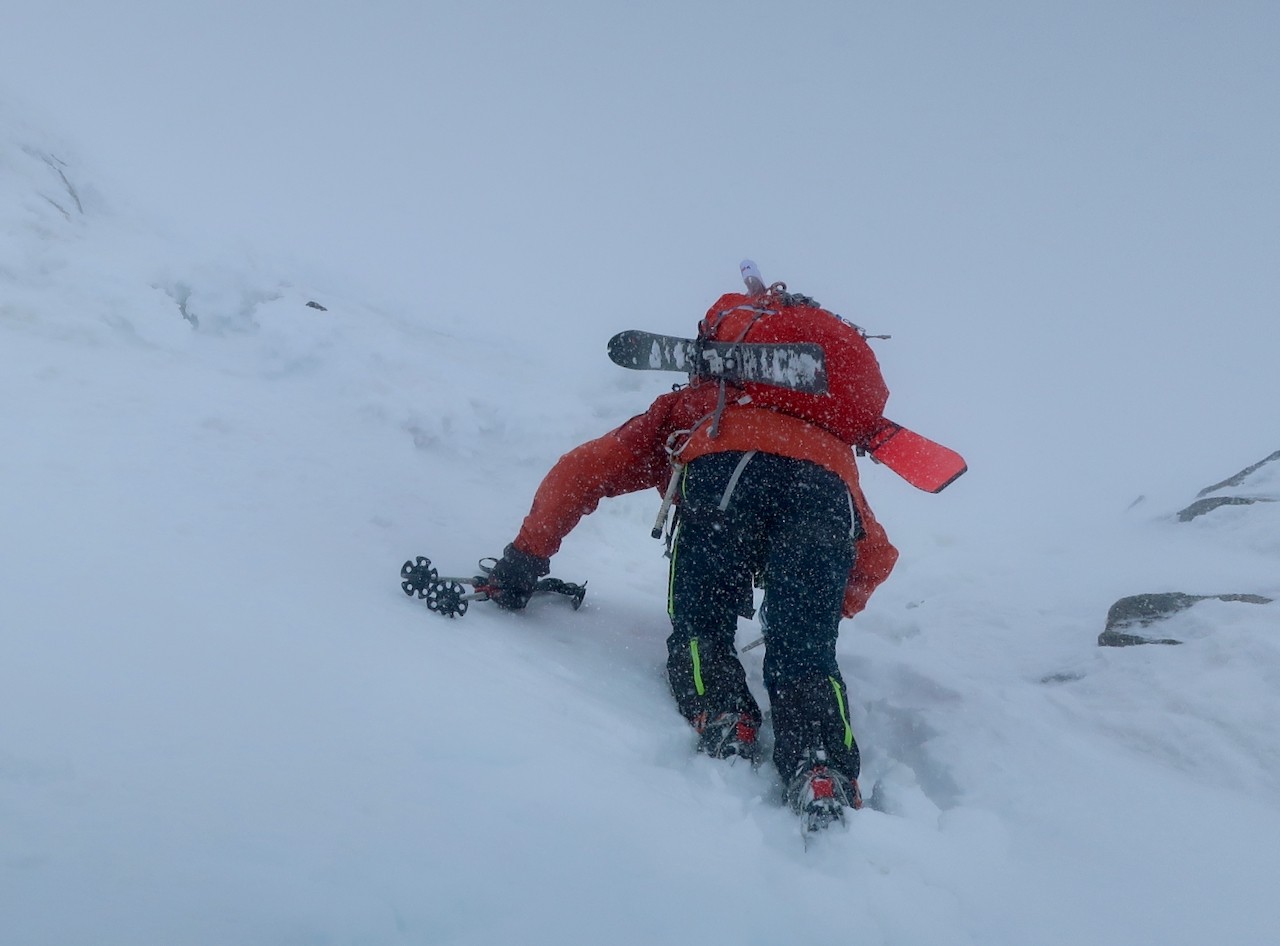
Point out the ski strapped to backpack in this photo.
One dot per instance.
(794, 366)
(797, 366)
(449, 596)
(920, 461)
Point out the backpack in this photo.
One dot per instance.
(856, 394)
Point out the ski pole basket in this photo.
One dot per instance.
(449, 596)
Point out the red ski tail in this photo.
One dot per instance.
(920, 461)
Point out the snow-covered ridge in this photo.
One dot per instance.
(221, 721)
(41, 208)
(50, 186)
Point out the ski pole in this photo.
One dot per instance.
(751, 276)
(447, 595)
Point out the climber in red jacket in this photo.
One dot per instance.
(768, 495)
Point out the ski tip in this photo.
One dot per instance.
(621, 348)
(959, 473)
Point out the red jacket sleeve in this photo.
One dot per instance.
(630, 458)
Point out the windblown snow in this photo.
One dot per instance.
(222, 722)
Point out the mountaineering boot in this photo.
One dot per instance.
(729, 734)
(819, 794)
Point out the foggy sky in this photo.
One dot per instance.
(1067, 215)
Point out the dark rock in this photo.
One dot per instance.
(1201, 506)
(1145, 610)
(1239, 477)
(1206, 503)
(1065, 676)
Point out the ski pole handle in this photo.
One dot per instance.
(667, 499)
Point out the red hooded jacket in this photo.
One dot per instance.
(819, 428)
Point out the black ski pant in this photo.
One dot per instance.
(788, 525)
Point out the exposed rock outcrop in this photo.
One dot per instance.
(1148, 609)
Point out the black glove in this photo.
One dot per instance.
(513, 579)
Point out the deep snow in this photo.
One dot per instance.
(221, 721)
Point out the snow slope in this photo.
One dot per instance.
(221, 721)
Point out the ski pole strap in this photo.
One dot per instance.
(733, 480)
